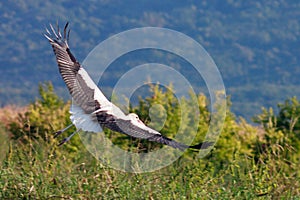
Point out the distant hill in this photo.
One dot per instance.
(255, 44)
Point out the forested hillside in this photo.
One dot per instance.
(255, 44)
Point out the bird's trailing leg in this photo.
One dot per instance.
(67, 138)
(62, 130)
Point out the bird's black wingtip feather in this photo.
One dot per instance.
(202, 145)
(65, 31)
(67, 24)
(54, 35)
(167, 141)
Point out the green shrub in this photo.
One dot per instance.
(282, 130)
(43, 118)
(247, 162)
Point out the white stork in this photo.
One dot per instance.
(91, 109)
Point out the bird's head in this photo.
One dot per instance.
(134, 118)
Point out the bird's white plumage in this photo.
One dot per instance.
(83, 121)
(90, 83)
(91, 110)
(134, 119)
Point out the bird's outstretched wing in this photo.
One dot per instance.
(126, 127)
(151, 135)
(81, 87)
(167, 141)
(91, 102)
(142, 131)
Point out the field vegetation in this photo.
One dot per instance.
(248, 161)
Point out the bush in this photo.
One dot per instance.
(247, 162)
(43, 118)
(283, 129)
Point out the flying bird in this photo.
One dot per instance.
(91, 110)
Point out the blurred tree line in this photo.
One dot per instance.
(278, 134)
(247, 161)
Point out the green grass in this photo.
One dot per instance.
(39, 170)
(4, 143)
(248, 162)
